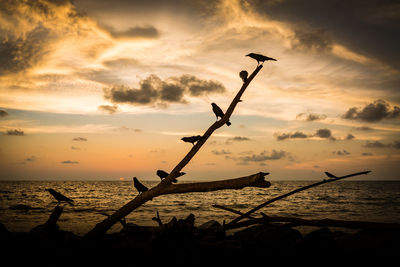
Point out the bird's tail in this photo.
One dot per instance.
(228, 123)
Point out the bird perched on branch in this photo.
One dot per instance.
(218, 112)
(163, 174)
(60, 197)
(139, 186)
(243, 74)
(191, 139)
(330, 175)
(260, 58)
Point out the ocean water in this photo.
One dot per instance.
(26, 204)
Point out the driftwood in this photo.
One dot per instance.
(244, 215)
(165, 186)
(294, 221)
(51, 223)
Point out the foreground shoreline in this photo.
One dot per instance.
(180, 241)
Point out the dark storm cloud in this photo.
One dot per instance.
(15, 132)
(79, 139)
(311, 116)
(376, 111)
(153, 90)
(367, 27)
(108, 108)
(3, 113)
(284, 136)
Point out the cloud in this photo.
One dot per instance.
(350, 137)
(149, 32)
(315, 40)
(29, 31)
(323, 133)
(153, 90)
(108, 108)
(3, 113)
(320, 23)
(79, 139)
(295, 135)
(311, 116)
(15, 132)
(221, 152)
(341, 152)
(364, 128)
(376, 111)
(376, 144)
(29, 160)
(263, 156)
(366, 154)
(75, 148)
(69, 162)
(237, 139)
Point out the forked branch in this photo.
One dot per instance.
(166, 186)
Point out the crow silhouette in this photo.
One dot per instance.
(60, 197)
(260, 58)
(330, 175)
(162, 174)
(191, 139)
(243, 74)
(139, 186)
(218, 112)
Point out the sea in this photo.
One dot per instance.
(26, 204)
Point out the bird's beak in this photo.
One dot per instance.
(247, 55)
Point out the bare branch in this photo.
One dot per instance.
(254, 180)
(317, 222)
(291, 193)
(158, 190)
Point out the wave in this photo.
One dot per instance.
(24, 207)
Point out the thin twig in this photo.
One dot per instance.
(291, 193)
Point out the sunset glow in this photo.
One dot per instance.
(105, 90)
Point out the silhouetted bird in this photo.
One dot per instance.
(218, 112)
(191, 139)
(243, 74)
(260, 58)
(139, 186)
(330, 175)
(60, 197)
(162, 174)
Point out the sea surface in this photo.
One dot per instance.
(26, 204)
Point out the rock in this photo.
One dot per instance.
(272, 239)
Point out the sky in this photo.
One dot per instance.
(105, 90)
